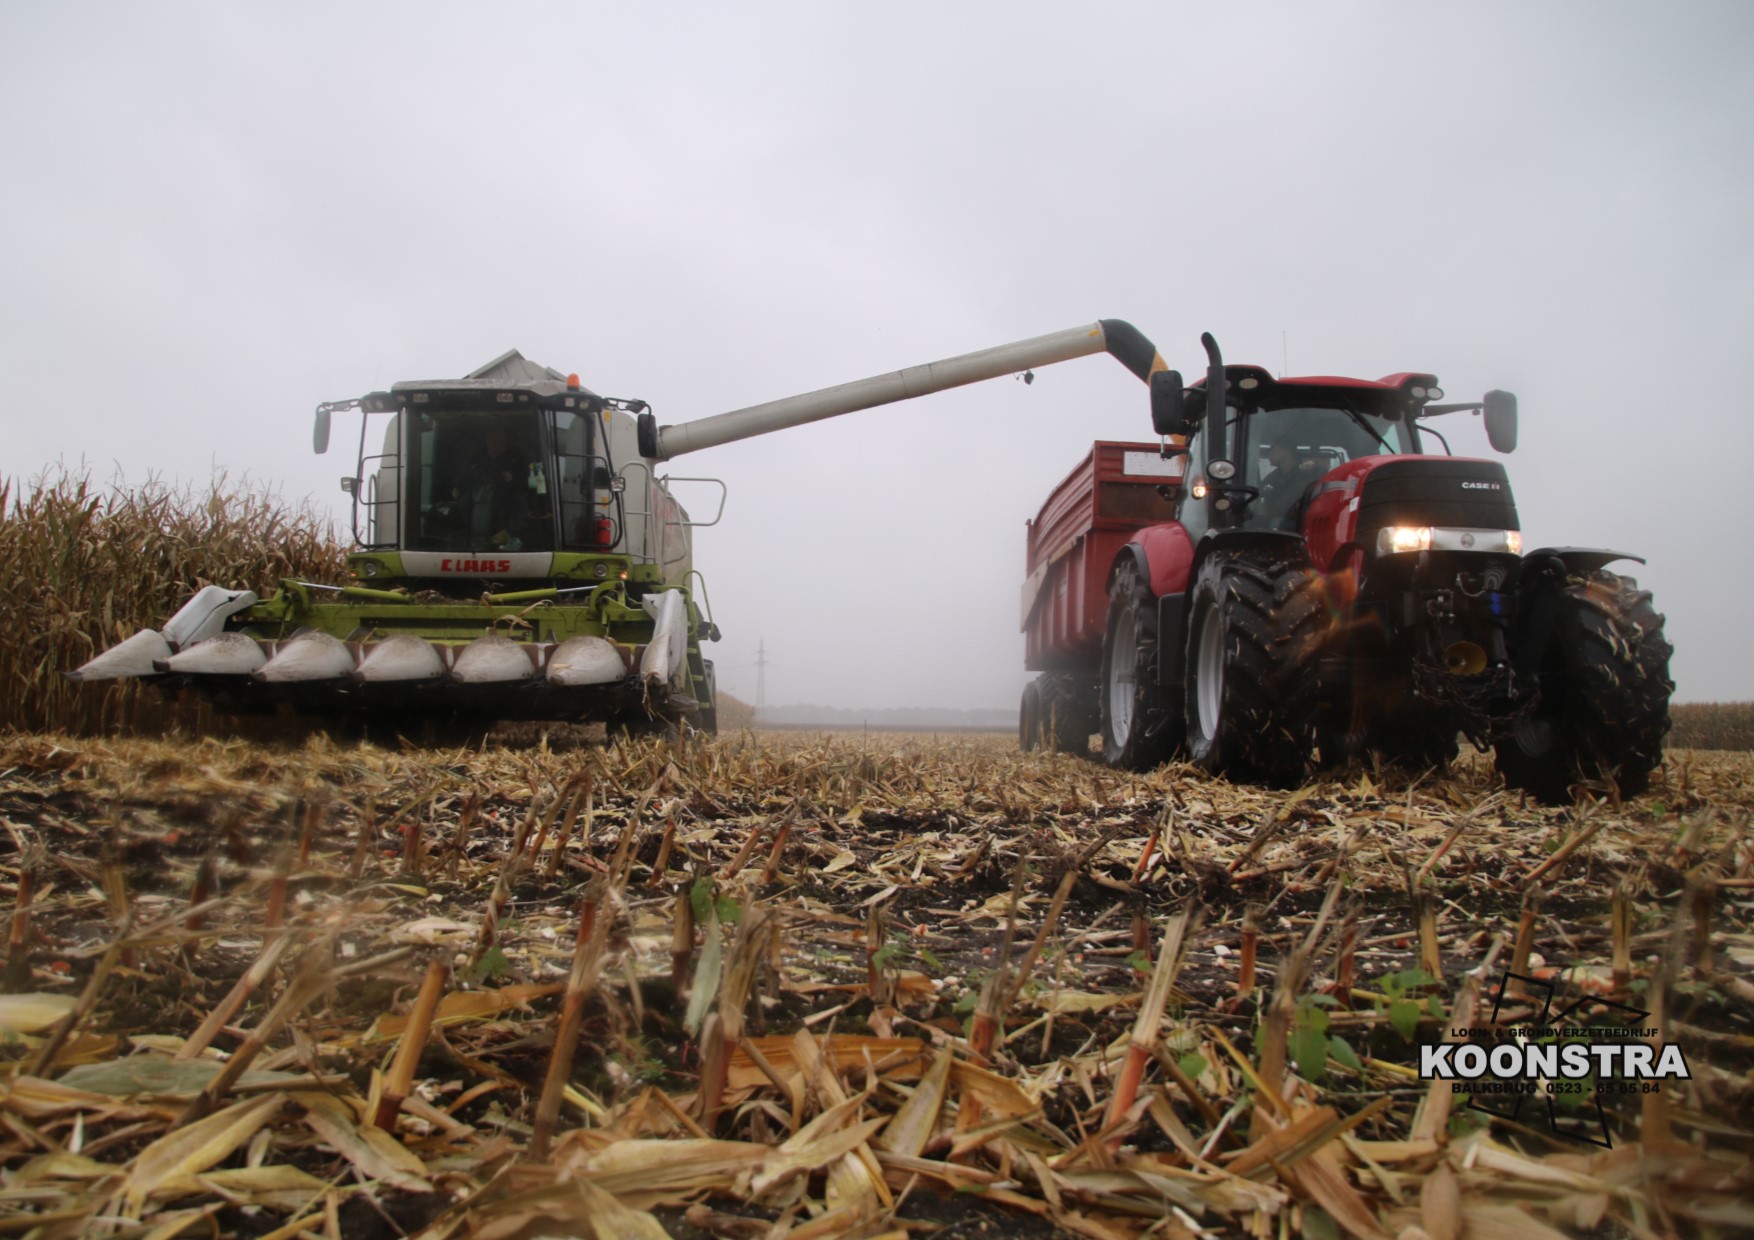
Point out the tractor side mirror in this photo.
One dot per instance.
(1169, 410)
(1500, 411)
(320, 434)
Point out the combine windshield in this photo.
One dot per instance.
(479, 481)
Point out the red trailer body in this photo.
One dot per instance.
(1072, 543)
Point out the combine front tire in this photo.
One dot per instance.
(1139, 728)
(1605, 686)
(1253, 637)
(708, 718)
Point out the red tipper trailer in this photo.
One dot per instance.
(1073, 542)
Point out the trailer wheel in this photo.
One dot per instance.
(1139, 728)
(1254, 631)
(1605, 688)
(1029, 719)
(1069, 720)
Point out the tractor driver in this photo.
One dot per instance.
(1284, 486)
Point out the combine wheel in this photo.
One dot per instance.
(1251, 668)
(1605, 689)
(1029, 719)
(1139, 727)
(708, 719)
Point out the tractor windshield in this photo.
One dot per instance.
(478, 481)
(1289, 450)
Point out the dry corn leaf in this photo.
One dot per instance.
(156, 1076)
(202, 1144)
(609, 1219)
(33, 1013)
(461, 1006)
(647, 1172)
(275, 1186)
(913, 1124)
(1440, 1204)
(899, 1059)
(377, 1154)
(997, 1094)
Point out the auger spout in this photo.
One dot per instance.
(1126, 343)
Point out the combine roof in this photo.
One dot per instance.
(510, 369)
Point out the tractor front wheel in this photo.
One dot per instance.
(1139, 728)
(1604, 684)
(1253, 637)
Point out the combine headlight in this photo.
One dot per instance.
(368, 568)
(1222, 470)
(1513, 541)
(1399, 538)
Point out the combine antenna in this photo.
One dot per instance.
(1284, 353)
(761, 675)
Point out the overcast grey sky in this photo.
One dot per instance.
(217, 215)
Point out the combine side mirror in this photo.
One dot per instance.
(1169, 404)
(1500, 410)
(320, 435)
(647, 427)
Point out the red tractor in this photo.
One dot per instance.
(1291, 571)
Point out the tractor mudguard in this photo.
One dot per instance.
(1579, 560)
(1540, 583)
(1172, 607)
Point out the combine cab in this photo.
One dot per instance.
(515, 558)
(1290, 571)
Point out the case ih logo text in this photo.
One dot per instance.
(475, 566)
(1481, 486)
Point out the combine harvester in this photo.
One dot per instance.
(1284, 568)
(517, 556)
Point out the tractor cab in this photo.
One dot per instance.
(1259, 464)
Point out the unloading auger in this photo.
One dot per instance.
(516, 554)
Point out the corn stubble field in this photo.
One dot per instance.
(809, 986)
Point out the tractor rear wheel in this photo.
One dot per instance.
(1140, 729)
(1253, 636)
(1605, 686)
(1029, 719)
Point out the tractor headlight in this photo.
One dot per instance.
(1399, 538)
(368, 568)
(1221, 469)
(599, 570)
